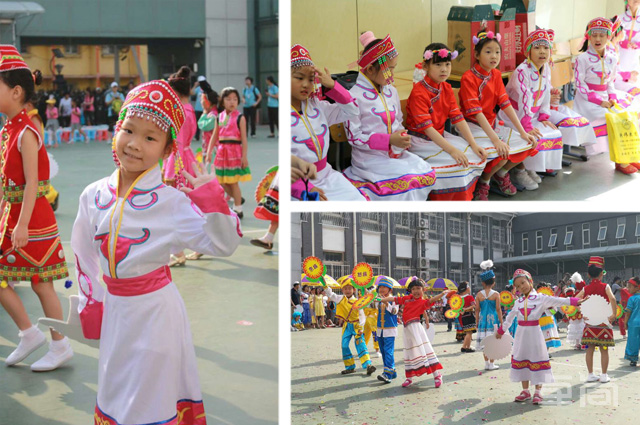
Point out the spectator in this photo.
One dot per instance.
(100, 110)
(196, 94)
(88, 107)
(272, 105)
(130, 86)
(76, 113)
(615, 288)
(114, 100)
(251, 97)
(295, 296)
(65, 110)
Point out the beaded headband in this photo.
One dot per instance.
(381, 53)
(490, 35)
(443, 53)
(539, 37)
(10, 58)
(300, 57)
(599, 25)
(523, 273)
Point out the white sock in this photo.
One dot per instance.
(268, 238)
(29, 333)
(60, 345)
(237, 208)
(501, 172)
(483, 181)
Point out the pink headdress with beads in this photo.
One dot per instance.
(300, 57)
(599, 25)
(522, 273)
(539, 37)
(381, 53)
(158, 102)
(490, 35)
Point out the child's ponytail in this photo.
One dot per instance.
(37, 77)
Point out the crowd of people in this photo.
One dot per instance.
(506, 136)
(532, 315)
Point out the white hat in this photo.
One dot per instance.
(114, 84)
(201, 78)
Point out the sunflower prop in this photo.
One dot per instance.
(363, 276)
(619, 311)
(364, 301)
(506, 299)
(569, 310)
(313, 268)
(265, 183)
(545, 291)
(456, 303)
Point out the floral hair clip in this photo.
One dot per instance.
(443, 53)
(490, 35)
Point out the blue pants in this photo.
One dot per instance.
(348, 332)
(633, 344)
(387, 347)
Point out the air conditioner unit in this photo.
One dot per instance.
(423, 223)
(424, 275)
(423, 235)
(423, 263)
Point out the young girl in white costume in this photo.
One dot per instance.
(481, 91)
(380, 164)
(529, 90)
(127, 225)
(530, 359)
(628, 79)
(457, 161)
(595, 73)
(310, 122)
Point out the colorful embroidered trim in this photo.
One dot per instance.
(15, 194)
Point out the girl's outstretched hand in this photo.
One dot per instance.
(324, 77)
(202, 176)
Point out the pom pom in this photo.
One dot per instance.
(490, 34)
(3, 284)
(454, 54)
(68, 283)
(575, 278)
(486, 265)
(428, 55)
(443, 53)
(367, 38)
(35, 279)
(475, 40)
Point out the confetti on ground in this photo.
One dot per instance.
(244, 323)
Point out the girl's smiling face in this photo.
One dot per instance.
(522, 285)
(489, 56)
(302, 80)
(417, 292)
(140, 144)
(438, 72)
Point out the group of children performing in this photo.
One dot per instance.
(127, 226)
(528, 321)
(416, 159)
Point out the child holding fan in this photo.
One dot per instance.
(481, 90)
(310, 122)
(529, 359)
(457, 161)
(380, 163)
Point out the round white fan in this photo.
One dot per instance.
(431, 333)
(299, 309)
(596, 310)
(53, 166)
(495, 348)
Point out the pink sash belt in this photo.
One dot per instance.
(139, 285)
(529, 323)
(597, 87)
(321, 164)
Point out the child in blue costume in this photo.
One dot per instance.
(387, 330)
(632, 319)
(352, 327)
(488, 311)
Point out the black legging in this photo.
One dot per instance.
(273, 118)
(250, 116)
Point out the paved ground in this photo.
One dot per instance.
(469, 395)
(230, 302)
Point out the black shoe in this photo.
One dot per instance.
(272, 136)
(370, 369)
(262, 244)
(240, 214)
(633, 364)
(242, 202)
(348, 371)
(448, 330)
(384, 379)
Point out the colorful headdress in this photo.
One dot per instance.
(539, 37)
(300, 57)
(381, 52)
(158, 102)
(634, 283)
(523, 273)
(617, 27)
(347, 281)
(599, 25)
(596, 261)
(384, 281)
(443, 53)
(490, 35)
(11, 59)
(487, 274)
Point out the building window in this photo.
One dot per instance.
(604, 243)
(622, 241)
(622, 223)
(538, 241)
(525, 243)
(71, 49)
(374, 262)
(602, 230)
(334, 261)
(553, 238)
(586, 235)
(568, 237)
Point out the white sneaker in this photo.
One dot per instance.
(593, 378)
(534, 176)
(378, 353)
(492, 367)
(55, 357)
(604, 378)
(30, 340)
(521, 178)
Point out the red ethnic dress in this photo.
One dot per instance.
(42, 259)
